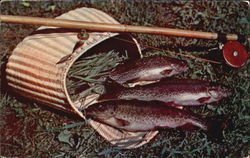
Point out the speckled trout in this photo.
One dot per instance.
(172, 91)
(147, 69)
(138, 116)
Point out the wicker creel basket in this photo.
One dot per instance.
(33, 70)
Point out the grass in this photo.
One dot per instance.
(32, 130)
(88, 72)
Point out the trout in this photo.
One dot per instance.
(138, 116)
(172, 91)
(147, 69)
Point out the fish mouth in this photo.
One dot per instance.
(218, 92)
(180, 69)
(185, 68)
(213, 92)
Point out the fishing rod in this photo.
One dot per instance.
(233, 52)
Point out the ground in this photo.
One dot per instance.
(29, 129)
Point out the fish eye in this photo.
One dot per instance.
(213, 92)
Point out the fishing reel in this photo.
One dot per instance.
(235, 54)
(232, 52)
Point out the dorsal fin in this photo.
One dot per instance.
(110, 83)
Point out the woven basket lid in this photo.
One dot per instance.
(33, 70)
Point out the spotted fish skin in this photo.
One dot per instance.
(148, 69)
(172, 91)
(138, 115)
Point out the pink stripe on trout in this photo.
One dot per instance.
(138, 116)
(172, 91)
(151, 68)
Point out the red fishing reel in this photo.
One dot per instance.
(234, 54)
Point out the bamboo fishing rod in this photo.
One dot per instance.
(233, 52)
(93, 26)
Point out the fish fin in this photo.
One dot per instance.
(161, 127)
(111, 89)
(166, 72)
(189, 127)
(133, 80)
(203, 100)
(216, 125)
(179, 107)
(171, 103)
(122, 122)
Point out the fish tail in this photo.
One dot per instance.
(215, 128)
(111, 90)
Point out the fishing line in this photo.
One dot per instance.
(11, 36)
(171, 52)
(144, 45)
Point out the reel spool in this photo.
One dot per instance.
(234, 54)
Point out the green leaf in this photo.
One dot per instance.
(64, 137)
(52, 8)
(105, 152)
(244, 20)
(73, 125)
(26, 4)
